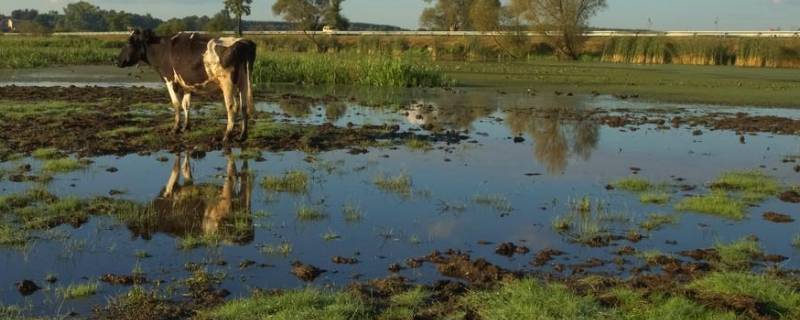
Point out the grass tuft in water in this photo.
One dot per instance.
(76, 291)
(400, 184)
(191, 241)
(309, 213)
(352, 212)
(283, 249)
(62, 165)
(655, 197)
(632, 184)
(293, 181)
(656, 221)
(331, 235)
(716, 203)
(417, 144)
(498, 202)
(12, 237)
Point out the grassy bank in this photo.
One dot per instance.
(723, 85)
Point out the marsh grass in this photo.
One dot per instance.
(331, 235)
(62, 165)
(283, 249)
(588, 221)
(76, 291)
(528, 299)
(309, 213)
(738, 255)
(191, 241)
(655, 197)
(47, 154)
(635, 306)
(345, 69)
(796, 241)
(293, 182)
(632, 184)
(777, 296)
(717, 203)
(352, 212)
(400, 184)
(754, 185)
(11, 236)
(405, 305)
(497, 202)
(656, 221)
(416, 144)
(307, 303)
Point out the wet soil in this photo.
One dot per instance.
(778, 217)
(306, 272)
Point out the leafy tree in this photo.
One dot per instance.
(25, 14)
(484, 15)
(564, 22)
(83, 16)
(238, 8)
(117, 21)
(333, 16)
(306, 15)
(452, 15)
(309, 15)
(48, 20)
(170, 27)
(220, 22)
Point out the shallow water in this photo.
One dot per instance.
(559, 160)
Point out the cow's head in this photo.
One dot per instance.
(136, 49)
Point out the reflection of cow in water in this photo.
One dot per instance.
(188, 209)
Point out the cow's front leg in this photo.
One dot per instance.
(176, 104)
(245, 117)
(185, 104)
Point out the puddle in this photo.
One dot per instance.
(511, 180)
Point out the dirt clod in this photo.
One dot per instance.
(790, 196)
(305, 272)
(27, 287)
(544, 256)
(778, 217)
(125, 280)
(343, 260)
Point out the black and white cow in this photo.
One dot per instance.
(197, 63)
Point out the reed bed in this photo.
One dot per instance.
(742, 52)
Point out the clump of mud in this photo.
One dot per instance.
(306, 272)
(457, 264)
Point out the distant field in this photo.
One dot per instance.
(399, 62)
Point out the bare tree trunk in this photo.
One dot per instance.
(239, 25)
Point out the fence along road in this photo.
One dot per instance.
(678, 34)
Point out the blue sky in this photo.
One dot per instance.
(665, 14)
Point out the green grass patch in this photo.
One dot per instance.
(293, 182)
(76, 291)
(632, 184)
(529, 299)
(62, 165)
(12, 237)
(780, 298)
(191, 241)
(352, 212)
(717, 203)
(634, 306)
(418, 144)
(754, 185)
(656, 221)
(283, 249)
(308, 303)
(738, 255)
(47, 154)
(655, 197)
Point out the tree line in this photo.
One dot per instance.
(563, 22)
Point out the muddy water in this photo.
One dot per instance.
(558, 159)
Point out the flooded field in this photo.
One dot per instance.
(538, 183)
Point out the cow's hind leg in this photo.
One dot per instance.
(245, 116)
(176, 104)
(185, 104)
(230, 106)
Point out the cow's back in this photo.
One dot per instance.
(186, 57)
